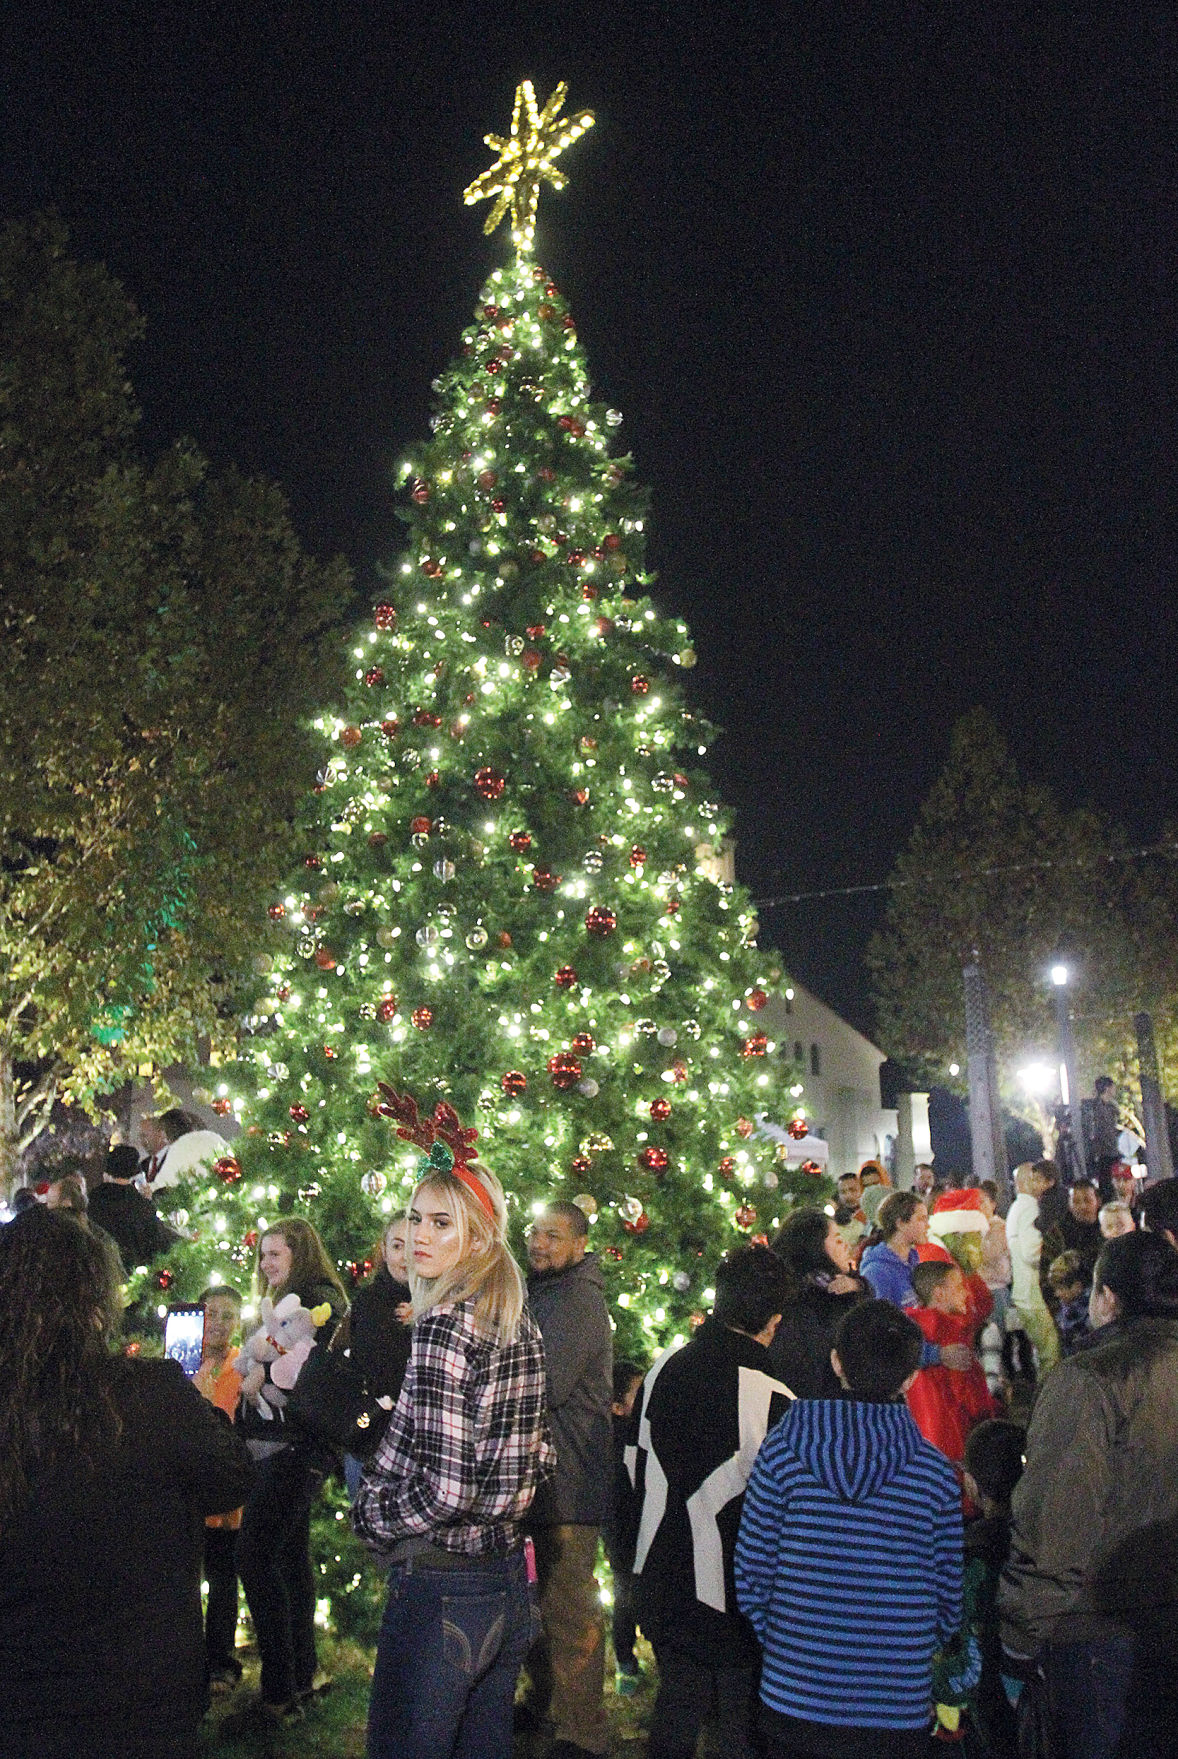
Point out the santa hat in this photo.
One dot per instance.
(958, 1212)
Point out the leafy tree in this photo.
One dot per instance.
(161, 634)
(996, 869)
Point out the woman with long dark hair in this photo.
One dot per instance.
(1089, 1598)
(108, 1466)
(443, 1500)
(274, 1544)
(823, 1287)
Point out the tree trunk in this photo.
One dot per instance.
(9, 1134)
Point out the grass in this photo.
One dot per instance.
(335, 1723)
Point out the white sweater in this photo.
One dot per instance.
(1025, 1244)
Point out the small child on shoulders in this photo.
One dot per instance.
(1069, 1287)
(947, 1403)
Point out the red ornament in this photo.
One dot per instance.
(384, 616)
(637, 857)
(639, 1225)
(504, 938)
(580, 1165)
(759, 1240)
(276, 912)
(798, 1128)
(654, 1160)
(374, 677)
(546, 473)
(745, 1216)
(514, 1083)
(575, 558)
(425, 717)
(351, 736)
(283, 992)
(674, 905)
(544, 879)
(660, 1110)
(386, 1008)
(228, 1169)
(222, 1107)
(330, 1052)
(537, 556)
(492, 366)
(165, 1278)
(312, 861)
(433, 780)
(299, 1113)
(744, 1127)
(489, 783)
(421, 826)
(579, 796)
(546, 313)
(755, 1045)
(536, 631)
(601, 921)
(614, 1253)
(565, 1070)
(812, 1167)
(565, 977)
(756, 1000)
(520, 841)
(325, 959)
(250, 1238)
(390, 727)
(529, 659)
(431, 568)
(133, 1348)
(639, 685)
(611, 541)
(486, 479)
(377, 840)
(588, 591)
(583, 1043)
(679, 1070)
(422, 1018)
(726, 1167)
(419, 493)
(605, 626)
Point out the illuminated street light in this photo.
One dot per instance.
(1059, 975)
(1037, 1078)
(954, 1069)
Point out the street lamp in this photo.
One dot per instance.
(1068, 1093)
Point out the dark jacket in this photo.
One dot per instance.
(378, 1341)
(569, 1308)
(132, 1223)
(703, 1412)
(1095, 1543)
(800, 1352)
(100, 1619)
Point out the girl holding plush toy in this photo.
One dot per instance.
(303, 1301)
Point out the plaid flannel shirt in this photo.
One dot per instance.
(467, 1444)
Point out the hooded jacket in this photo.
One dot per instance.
(849, 1564)
(703, 1412)
(569, 1308)
(1094, 1552)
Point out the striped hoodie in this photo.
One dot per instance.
(848, 1564)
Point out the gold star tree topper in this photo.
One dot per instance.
(537, 138)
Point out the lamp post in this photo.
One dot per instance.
(1068, 1091)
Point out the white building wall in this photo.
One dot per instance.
(839, 1077)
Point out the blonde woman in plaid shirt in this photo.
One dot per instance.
(442, 1501)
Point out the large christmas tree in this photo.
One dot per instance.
(508, 900)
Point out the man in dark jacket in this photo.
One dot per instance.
(567, 1665)
(704, 1411)
(129, 1218)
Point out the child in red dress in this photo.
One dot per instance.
(945, 1403)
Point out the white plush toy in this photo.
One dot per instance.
(283, 1341)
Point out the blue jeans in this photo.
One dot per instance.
(1086, 1687)
(450, 1650)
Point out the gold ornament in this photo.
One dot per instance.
(537, 138)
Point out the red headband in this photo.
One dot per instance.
(476, 1186)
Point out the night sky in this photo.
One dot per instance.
(885, 292)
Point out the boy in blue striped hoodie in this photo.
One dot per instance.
(849, 1557)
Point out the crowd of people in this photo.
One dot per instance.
(914, 1477)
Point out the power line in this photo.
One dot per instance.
(1170, 850)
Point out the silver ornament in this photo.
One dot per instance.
(631, 1208)
(770, 1180)
(444, 870)
(692, 1028)
(681, 1282)
(477, 939)
(662, 783)
(429, 936)
(558, 676)
(373, 1183)
(647, 1027)
(278, 1071)
(613, 418)
(588, 1087)
(660, 971)
(306, 948)
(366, 1011)
(308, 1193)
(513, 646)
(668, 1036)
(420, 839)
(593, 861)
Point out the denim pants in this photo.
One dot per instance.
(274, 1563)
(449, 1654)
(1091, 1709)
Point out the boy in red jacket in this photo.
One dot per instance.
(946, 1406)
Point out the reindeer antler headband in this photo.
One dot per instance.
(451, 1148)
